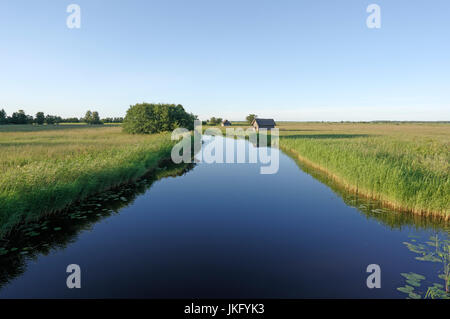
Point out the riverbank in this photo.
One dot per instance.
(45, 171)
(404, 166)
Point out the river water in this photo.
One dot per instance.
(220, 231)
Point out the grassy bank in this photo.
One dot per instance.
(46, 169)
(406, 166)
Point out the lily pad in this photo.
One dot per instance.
(413, 283)
(413, 276)
(413, 295)
(429, 257)
(406, 289)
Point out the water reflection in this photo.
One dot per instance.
(56, 232)
(373, 209)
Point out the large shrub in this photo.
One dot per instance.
(148, 118)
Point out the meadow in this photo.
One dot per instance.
(44, 169)
(404, 165)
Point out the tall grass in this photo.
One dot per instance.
(406, 165)
(46, 170)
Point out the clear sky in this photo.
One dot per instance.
(290, 60)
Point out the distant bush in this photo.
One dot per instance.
(52, 119)
(148, 118)
(112, 120)
(215, 121)
(71, 120)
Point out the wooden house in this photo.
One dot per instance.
(263, 123)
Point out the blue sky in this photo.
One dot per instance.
(290, 60)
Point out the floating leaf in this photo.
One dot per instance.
(406, 289)
(419, 249)
(429, 257)
(413, 295)
(413, 276)
(413, 283)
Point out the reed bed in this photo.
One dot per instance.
(406, 166)
(45, 170)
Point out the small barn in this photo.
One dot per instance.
(263, 123)
(226, 123)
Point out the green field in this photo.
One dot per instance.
(44, 169)
(406, 166)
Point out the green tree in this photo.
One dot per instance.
(40, 118)
(19, 117)
(148, 118)
(3, 118)
(88, 117)
(96, 118)
(250, 118)
(92, 118)
(30, 119)
(50, 119)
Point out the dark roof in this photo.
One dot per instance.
(264, 122)
(226, 121)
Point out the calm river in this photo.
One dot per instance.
(220, 231)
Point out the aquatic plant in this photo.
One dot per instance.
(435, 250)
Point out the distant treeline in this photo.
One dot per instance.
(20, 117)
